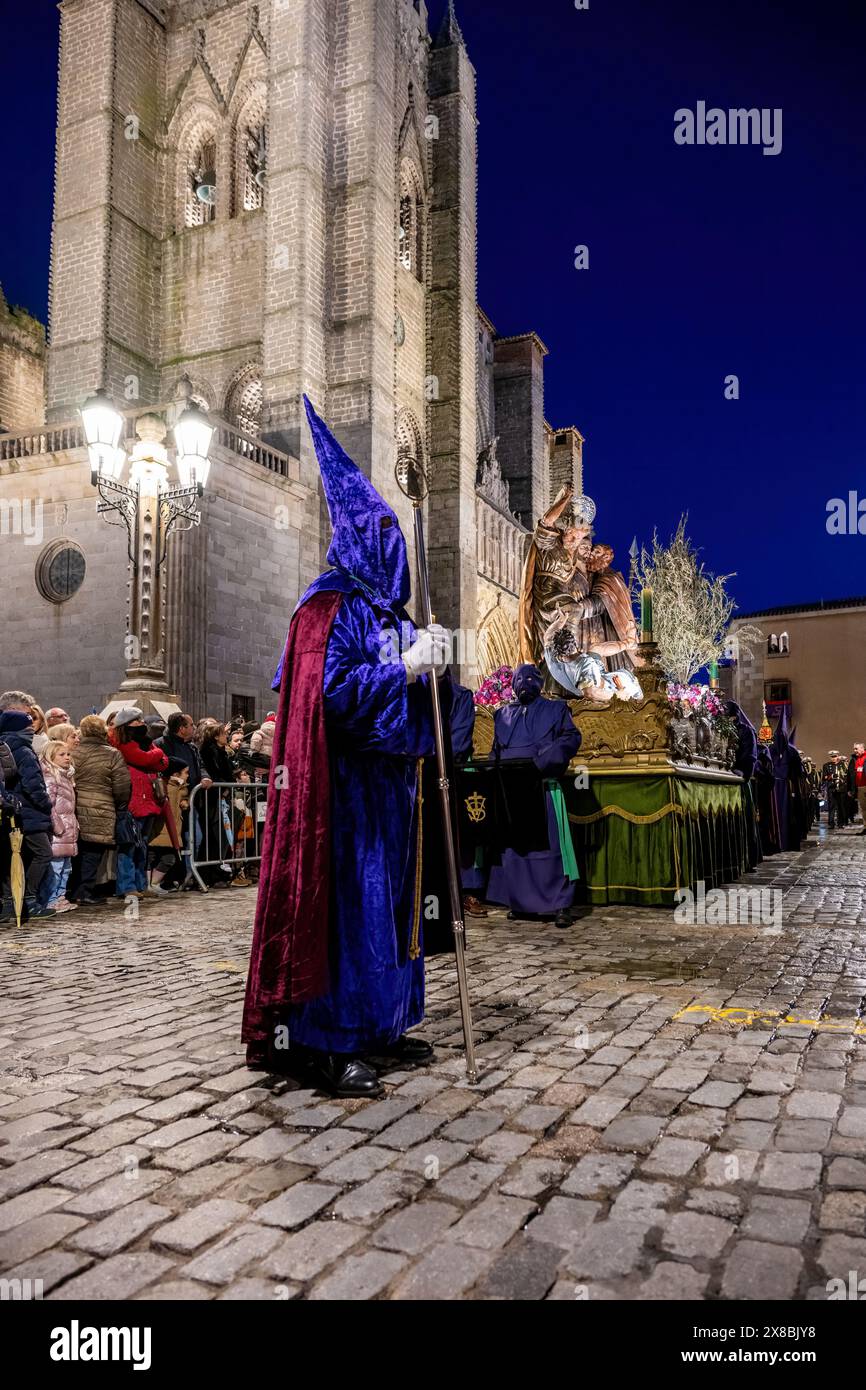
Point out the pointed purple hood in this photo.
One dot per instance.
(373, 554)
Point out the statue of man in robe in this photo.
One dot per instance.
(576, 618)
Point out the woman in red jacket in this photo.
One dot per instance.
(130, 736)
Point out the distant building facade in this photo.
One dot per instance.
(811, 661)
(264, 200)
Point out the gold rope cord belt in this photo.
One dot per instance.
(415, 941)
(671, 809)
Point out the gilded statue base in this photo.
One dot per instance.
(637, 736)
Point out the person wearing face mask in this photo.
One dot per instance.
(130, 736)
(337, 963)
(541, 883)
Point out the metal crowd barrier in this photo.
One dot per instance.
(226, 825)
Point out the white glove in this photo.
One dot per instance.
(429, 652)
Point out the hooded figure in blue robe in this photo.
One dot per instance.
(337, 960)
(789, 778)
(746, 762)
(543, 882)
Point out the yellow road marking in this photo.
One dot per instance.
(746, 1017)
(30, 950)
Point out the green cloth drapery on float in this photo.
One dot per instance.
(640, 838)
(563, 828)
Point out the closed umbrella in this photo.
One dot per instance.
(16, 873)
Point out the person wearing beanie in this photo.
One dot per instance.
(144, 761)
(262, 741)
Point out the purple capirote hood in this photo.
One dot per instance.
(527, 683)
(360, 546)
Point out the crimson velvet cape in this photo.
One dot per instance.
(338, 944)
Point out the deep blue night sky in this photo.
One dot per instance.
(704, 261)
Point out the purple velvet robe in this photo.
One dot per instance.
(544, 731)
(363, 796)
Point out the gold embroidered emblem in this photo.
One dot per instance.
(476, 807)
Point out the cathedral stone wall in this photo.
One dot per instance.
(253, 525)
(71, 653)
(519, 404)
(349, 275)
(566, 460)
(22, 368)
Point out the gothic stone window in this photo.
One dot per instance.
(251, 152)
(410, 248)
(200, 157)
(244, 404)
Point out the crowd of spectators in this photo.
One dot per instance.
(105, 808)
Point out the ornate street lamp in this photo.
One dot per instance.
(149, 507)
(102, 429)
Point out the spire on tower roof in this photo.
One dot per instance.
(449, 30)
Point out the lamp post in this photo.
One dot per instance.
(149, 506)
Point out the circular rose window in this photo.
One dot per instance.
(60, 571)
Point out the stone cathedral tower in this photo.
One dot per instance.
(253, 201)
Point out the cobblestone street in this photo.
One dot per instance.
(630, 1136)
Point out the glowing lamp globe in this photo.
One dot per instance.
(192, 436)
(103, 425)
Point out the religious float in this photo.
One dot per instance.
(653, 800)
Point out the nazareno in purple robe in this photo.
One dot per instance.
(378, 726)
(544, 731)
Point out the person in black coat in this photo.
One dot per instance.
(16, 731)
(217, 766)
(746, 763)
(10, 806)
(178, 746)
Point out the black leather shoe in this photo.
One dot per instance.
(346, 1076)
(259, 1056)
(408, 1049)
(563, 919)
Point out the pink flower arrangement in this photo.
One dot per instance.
(496, 689)
(695, 699)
